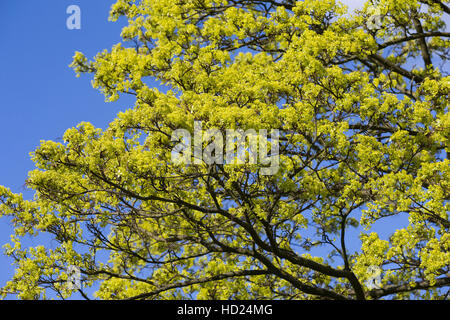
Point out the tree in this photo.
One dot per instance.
(362, 113)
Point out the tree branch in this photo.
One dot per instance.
(241, 273)
(414, 36)
(392, 289)
(441, 5)
(423, 44)
(393, 67)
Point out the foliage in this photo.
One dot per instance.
(363, 116)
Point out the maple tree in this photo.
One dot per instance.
(362, 110)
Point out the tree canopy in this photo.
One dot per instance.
(360, 101)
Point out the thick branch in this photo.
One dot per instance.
(393, 67)
(414, 37)
(218, 277)
(392, 289)
(423, 44)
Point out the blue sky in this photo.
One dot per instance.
(40, 95)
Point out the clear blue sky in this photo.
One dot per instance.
(40, 95)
